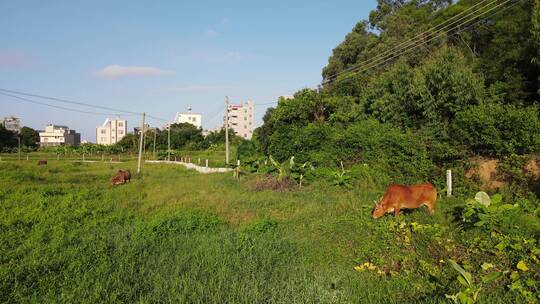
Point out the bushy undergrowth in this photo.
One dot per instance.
(172, 235)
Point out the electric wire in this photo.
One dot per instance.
(460, 28)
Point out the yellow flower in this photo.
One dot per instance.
(522, 266)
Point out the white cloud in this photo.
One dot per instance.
(211, 33)
(118, 71)
(225, 20)
(199, 88)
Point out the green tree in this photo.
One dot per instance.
(29, 137)
(8, 139)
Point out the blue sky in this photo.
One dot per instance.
(164, 56)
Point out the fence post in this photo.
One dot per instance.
(111, 159)
(83, 157)
(26, 156)
(199, 160)
(206, 163)
(238, 163)
(449, 183)
(102, 157)
(175, 159)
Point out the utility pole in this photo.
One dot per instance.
(154, 152)
(19, 150)
(227, 130)
(169, 143)
(140, 145)
(144, 141)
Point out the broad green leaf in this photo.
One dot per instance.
(462, 280)
(497, 198)
(480, 223)
(483, 198)
(491, 276)
(467, 276)
(487, 266)
(500, 246)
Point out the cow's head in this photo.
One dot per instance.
(378, 210)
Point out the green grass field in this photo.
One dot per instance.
(173, 235)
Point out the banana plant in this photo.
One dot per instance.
(298, 172)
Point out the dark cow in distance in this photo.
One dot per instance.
(41, 162)
(399, 197)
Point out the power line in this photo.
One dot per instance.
(406, 43)
(377, 62)
(459, 30)
(68, 101)
(55, 106)
(266, 103)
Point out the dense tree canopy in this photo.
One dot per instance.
(472, 91)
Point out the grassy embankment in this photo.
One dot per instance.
(174, 235)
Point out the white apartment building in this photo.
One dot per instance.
(11, 123)
(241, 119)
(189, 117)
(111, 132)
(55, 135)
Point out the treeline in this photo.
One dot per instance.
(474, 92)
(9, 140)
(184, 136)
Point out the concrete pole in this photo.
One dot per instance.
(449, 183)
(169, 143)
(227, 130)
(154, 152)
(207, 163)
(140, 146)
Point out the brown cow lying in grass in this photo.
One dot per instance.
(406, 197)
(41, 162)
(121, 177)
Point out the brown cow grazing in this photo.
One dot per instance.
(127, 175)
(41, 162)
(406, 197)
(121, 177)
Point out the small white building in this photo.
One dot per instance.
(111, 132)
(242, 119)
(11, 123)
(55, 135)
(189, 117)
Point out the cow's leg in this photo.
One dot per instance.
(396, 210)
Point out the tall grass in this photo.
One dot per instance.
(173, 235)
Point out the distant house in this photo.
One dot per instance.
(11, 123)
(147, 128)
(55, 135)
(111, 132)
(189, 117)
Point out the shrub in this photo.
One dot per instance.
(494, 129)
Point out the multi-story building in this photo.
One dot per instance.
(189, 117)
(55, 135)
(111, 132)
(241, 119)
(137, 130)
(11, 123)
